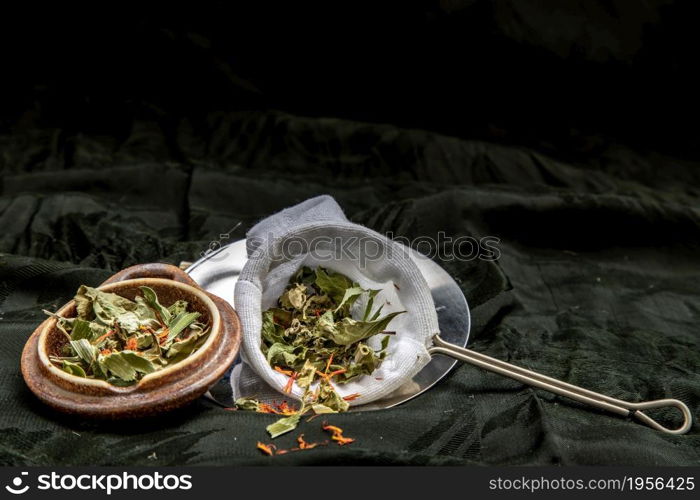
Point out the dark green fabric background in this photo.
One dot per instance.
(597, 281)
(599, 222)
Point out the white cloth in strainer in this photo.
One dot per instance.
(317, 233)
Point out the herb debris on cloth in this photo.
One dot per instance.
(336, 435)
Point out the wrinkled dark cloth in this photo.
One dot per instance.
(147, 140)
(596, 282)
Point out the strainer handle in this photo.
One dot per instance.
(618, 406)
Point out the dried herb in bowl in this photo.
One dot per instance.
(312, 337)
(119, 340)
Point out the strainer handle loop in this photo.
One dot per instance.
(565, 389)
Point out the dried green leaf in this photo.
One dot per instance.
(294, 298)
(121, 382)
(81, 330)
(284, 425)
(63, 324)
(306, 375)
(177, 351)
(271, 332)
(83, 303)
(117, 366)
(305, 275)
(126, 364)
(73, 368)
(128, 322)
(350, 331)
(152, 300)
(326, 325)
(85, 350)
(370, 304)
(146, 315)
(364, 362)
(144, 340)
(316, 303)
(178, 323)
(332, 284)
(328, 397)
(178, 307)
(140, 364)
(385, 342)
(376, 314)
(320, 409)
(247, 404)
(155, 348)
(98, 371)
(349, 298)
(285, 355)
(104, 307)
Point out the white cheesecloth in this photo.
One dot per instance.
(317, 233)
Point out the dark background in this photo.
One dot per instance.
(136, 132)
(562, 76)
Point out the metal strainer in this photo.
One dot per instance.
(217, 272)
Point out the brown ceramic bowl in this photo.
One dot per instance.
(157, 392)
